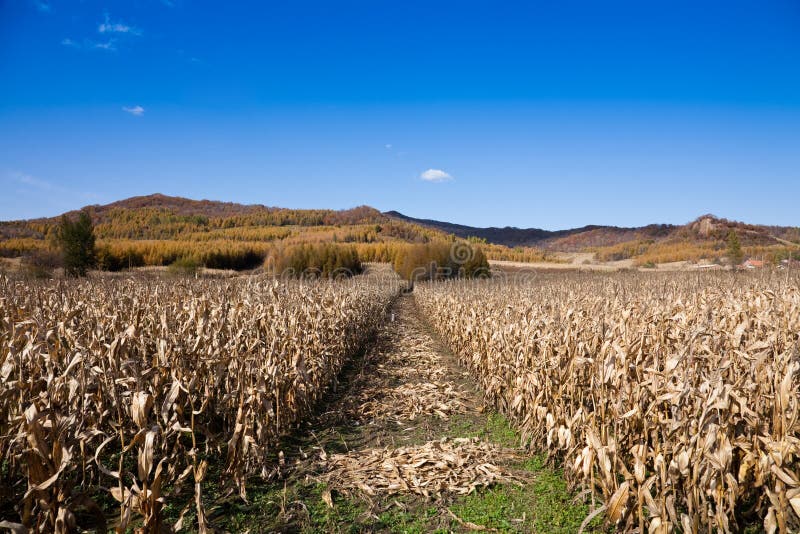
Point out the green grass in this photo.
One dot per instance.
(495, 429)
(413, 519)
(301, 503)
(499, 431)
(542, 505)
(343, 517)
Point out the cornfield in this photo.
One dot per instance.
(126, 388)
(673, 398)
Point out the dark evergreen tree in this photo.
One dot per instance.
(76, 240)
(735, 254)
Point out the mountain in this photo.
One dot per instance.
(562, 240)
(707, 228)
(155, 217)
(159, 229)
(213, 209)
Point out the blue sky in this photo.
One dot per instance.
(537, 114)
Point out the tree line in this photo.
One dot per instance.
(76, 250)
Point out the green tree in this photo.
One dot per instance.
(76, 241)
(735, 254)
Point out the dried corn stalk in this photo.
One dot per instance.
(675, 397)
(132, 385)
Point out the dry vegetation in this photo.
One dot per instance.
(649, 252)
(673, 398)
(129, 387)
(159, 230)
(433, 469)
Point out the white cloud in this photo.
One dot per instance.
(112, 32)
(47, 192)
(108, 45)
(135, 110)
(32, 181)
(435, 175)
(388, 146)
(116, 27)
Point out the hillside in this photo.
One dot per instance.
(153, 215)
(560, 240)
(706, 227)
(704, 238)
(159, 229)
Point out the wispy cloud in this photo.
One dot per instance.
(116, 27)
(42, 6)
(435, 175)
(46, 192)
(388, 146)
(191, 59)
(137, 111)
(110, 30)
(109, 45)
(32, 181)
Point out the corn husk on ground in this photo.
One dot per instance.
(409, 380)
(406, 382)
(130, 385)
(674, 398)
(433, 469)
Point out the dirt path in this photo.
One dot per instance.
(404, 444)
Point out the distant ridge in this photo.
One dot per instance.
(181, 205)
(570, 239)
(704, 228)
(208, 208)
(708, 231)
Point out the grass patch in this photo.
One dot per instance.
(544, 504)
(412, 518)
(297, 507)
(462, 426)
(494, 428)
(345, 516)
(499, 431)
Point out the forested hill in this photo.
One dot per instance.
(159, 214)
(159, 217)
(704, 238)
(157, 229)
(563, 240)
(704, 228)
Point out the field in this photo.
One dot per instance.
(537, 402)
(673, 398)
(129, 388)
